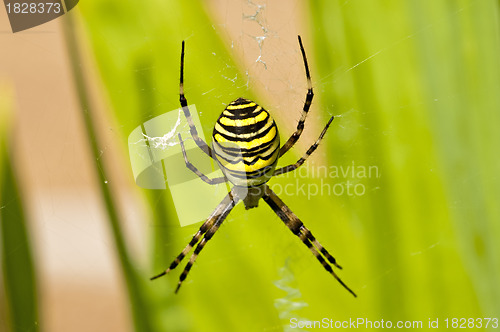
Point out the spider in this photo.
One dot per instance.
(246, 146)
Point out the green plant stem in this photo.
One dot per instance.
(17, 262)
(138, 302)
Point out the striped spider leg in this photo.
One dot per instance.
(193, 168)
(307, 104)
(298, 228)
(184, 104)
(294, 223)
(309, 151)
(207, 230)
(209, 227)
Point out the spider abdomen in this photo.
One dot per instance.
(246, 143)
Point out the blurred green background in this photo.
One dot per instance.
(414, 89)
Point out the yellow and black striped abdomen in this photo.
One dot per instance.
(246, 143)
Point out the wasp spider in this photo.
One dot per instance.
(246, 145)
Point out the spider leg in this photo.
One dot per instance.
(220, 212)
(307, 104)
(298, 228)
(304, 230)
(196, 171)
(299, 162)
(320, 258)
(208, 235)
(182, 98)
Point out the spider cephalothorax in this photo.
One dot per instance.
(246, 145)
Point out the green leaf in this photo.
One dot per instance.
(18, 271)
(416, 90)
